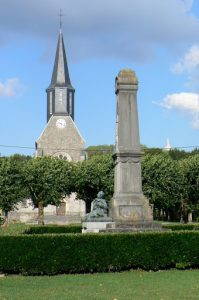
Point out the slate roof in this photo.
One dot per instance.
(60, 76)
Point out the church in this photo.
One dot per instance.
(60, 138)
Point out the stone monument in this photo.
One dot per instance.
(130, 208)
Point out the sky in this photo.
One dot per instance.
(157, 39)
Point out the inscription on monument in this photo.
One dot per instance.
(134, 212)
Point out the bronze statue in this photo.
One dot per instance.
(100, 208)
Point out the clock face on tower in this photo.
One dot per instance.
(61, 123)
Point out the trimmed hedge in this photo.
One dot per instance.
(176, 227)
(81, 253)
(54, 229)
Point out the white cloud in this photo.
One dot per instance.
(189, 62)
(189, 65)
(184, 102)
(11, 88)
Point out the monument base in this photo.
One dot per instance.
(97, 225)
(131, 210)
(112, 227)
(136, 227)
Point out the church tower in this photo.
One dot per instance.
(60, 93)
(60, 137)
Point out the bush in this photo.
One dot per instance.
(81, 253)
(176, 227)
(54, 229)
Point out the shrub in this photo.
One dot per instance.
(77, 253)
(177, 227)
(54, 229)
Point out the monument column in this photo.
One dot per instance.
(129, 205)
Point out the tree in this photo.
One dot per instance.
(99, 150)
(20, 157)
(190, 169)
(91, 176)
(152, 151)
(163, 184)
(177, 154)
(48, 181)
(11, 189)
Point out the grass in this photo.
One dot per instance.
(13, 229)
(18, 228)
(172, 284)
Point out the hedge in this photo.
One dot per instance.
(77, 253)
(54, 229)
(177, 227)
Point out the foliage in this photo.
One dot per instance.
(20, 157)
(1, 220)
(91, 176)
(190, 168)
(151, 151)
(177, 227)
(163, 183)
(177, 154)
(11, 188)
(48, 181)
(76, 253)
(54, 229)
(195, 151)
(99, 150)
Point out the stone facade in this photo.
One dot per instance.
(69, 211)
(61, 141)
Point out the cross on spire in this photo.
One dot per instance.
(60, 19)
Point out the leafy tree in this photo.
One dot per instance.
(11, 188)
(20, 157)
(99, 150)
(48, 181)
(152, 151)
(190, 169)
(91, 176)
(195, 151)
(163, 183)
(177, 154)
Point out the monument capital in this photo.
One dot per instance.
(126, 80)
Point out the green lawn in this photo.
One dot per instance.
(13, 229)
(132, 285)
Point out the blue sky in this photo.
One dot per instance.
(158, 39)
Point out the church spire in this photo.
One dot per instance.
(60, 93)
(168, 145)
(60, 20)
(60, 76)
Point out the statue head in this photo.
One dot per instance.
(100, 195)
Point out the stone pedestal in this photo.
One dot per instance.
(97, 226)
(129, 205)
